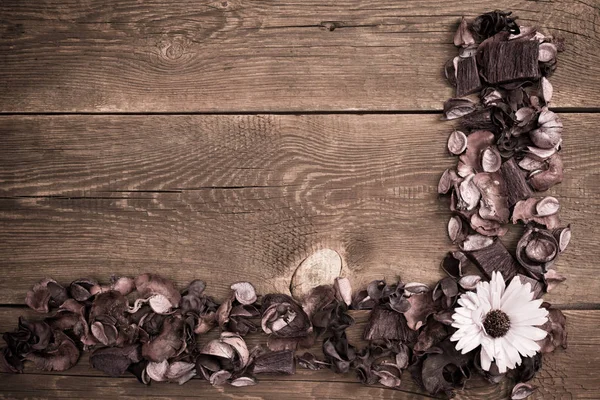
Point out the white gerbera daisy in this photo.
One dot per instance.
(502, 320)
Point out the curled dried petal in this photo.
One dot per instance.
(457, 142)
(522, 391)
(244, 292)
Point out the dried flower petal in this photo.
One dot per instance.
(151, 284)
(60, 356)
(343, 290)
(243, 381)
(219, 378)
(522, 391)
(476, 242)
(469, 282)
(470, 161)
(544, 180)
(547, 52)
(490, 159)
(553, 279)
(463, 36)
(386, 325)
(457, 142)
(547, 206)
(244, 292)
(557, 333)
(45, 294)
(457, 108)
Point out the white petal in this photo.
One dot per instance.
(529, 332)
(523, 346)
(511, 352)
(486, 359)
(500, 356)
(483, 291)
(473, 343)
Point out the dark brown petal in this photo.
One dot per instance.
(556, 328)
(536, 251)
(317, 299)
(111, 303)
(522, 391)
(309, 361)
(218, 348)
(387, 325)
(452, 264)
(114, 361)
(151, 284)
(45, 294)
(463, 36)
(431, 335)
(456, 108)
(526, 211)
(516, 185)
(495, 257)
(239, 345)
(447, 181)
(470, 160)
(283, 317)
(9, 362)
(545, 179)
(421, 308)
(457, 142)
(244, 292)
(123, 285)
(389, 377)
(437, 367)
(553, 279)
(168, 344)
(222, 314)
(275, 362)
(469, 282)
(62, 356)
(339, 353)
(80, 288)
(487, 227)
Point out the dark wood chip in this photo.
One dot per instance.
(495, 258)
(467, 77)
(502, 61)
(517, 187)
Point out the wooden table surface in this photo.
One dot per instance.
(229, 140)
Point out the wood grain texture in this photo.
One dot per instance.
(570, 373)
(229, 198)
(231, 55)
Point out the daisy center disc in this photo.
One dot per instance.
(496, 323)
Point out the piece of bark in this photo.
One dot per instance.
(503, 62)
(517, 187)
(467, 77)
(387, 325)
(495, 258)
(275, 362)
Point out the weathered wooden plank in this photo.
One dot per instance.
(228, 198)
(567, 373)
(261, 56)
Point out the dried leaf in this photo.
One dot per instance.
(457, 142)
(457, 108)
(522, 391)
(244, 292)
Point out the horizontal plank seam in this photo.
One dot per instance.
(565, 307)
(262, 379)
(562, 110)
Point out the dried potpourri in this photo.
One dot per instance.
(486, 317)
